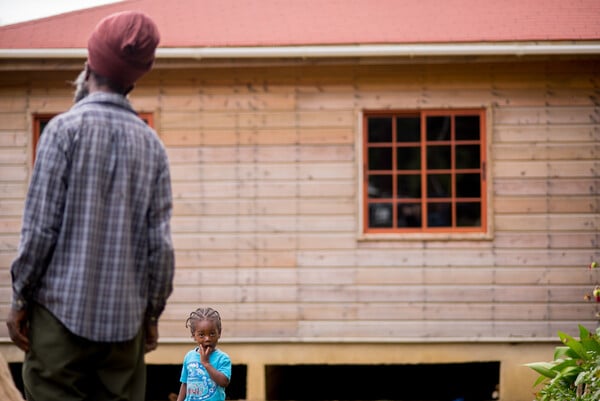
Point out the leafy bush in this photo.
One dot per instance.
(574, 375)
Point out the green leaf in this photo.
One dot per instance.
(564, 364)
(583, 332)
(560, 352)
(570, 373)
(564, 337)
(591, 344)
(563, 353)
(589, 341)
(574, 345)
(543, 368)
(540, 379)
(579, 349)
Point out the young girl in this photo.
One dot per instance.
(206, 370)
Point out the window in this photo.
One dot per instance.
(424, 172)
(39, 123)
(41, 120)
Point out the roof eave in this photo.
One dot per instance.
(332, 51)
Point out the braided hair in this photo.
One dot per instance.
(203, 314)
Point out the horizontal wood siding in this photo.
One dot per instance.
(265, 167)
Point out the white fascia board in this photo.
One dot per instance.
(381, 51)
(333, 51)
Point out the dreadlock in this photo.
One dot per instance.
(203, 314)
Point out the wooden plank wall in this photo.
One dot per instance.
(265, 181)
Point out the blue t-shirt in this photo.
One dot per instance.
(200, 387)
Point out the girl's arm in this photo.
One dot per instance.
(182, 391)
(214, 374)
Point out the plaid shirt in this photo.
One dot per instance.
(95, 245)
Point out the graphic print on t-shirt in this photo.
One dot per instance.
(200, 386)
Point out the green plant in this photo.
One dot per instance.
(575, 372)
(574, 375)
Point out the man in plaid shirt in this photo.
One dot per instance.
(95, 263)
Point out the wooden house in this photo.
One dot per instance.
(357, 184)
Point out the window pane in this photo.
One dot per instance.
(467, 156)
(43, 123)
(438, 186)
(380, 158)
(439, 157)
(467, 127)
(380, 186)
(380, 129)
(409, 215)
(380, 215)
(408, 129)
(439, 215)
(468, 186)
(409, 158)
(468, 214)
(438, 128)
(409, 186)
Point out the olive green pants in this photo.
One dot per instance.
(61, 366)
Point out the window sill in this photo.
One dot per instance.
(372, 237)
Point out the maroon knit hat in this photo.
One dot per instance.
(122, 47)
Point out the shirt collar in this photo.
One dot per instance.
(114, 99)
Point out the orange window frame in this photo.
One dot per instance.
(40, 120)
(425, 201)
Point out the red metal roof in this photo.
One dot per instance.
(234, 23)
